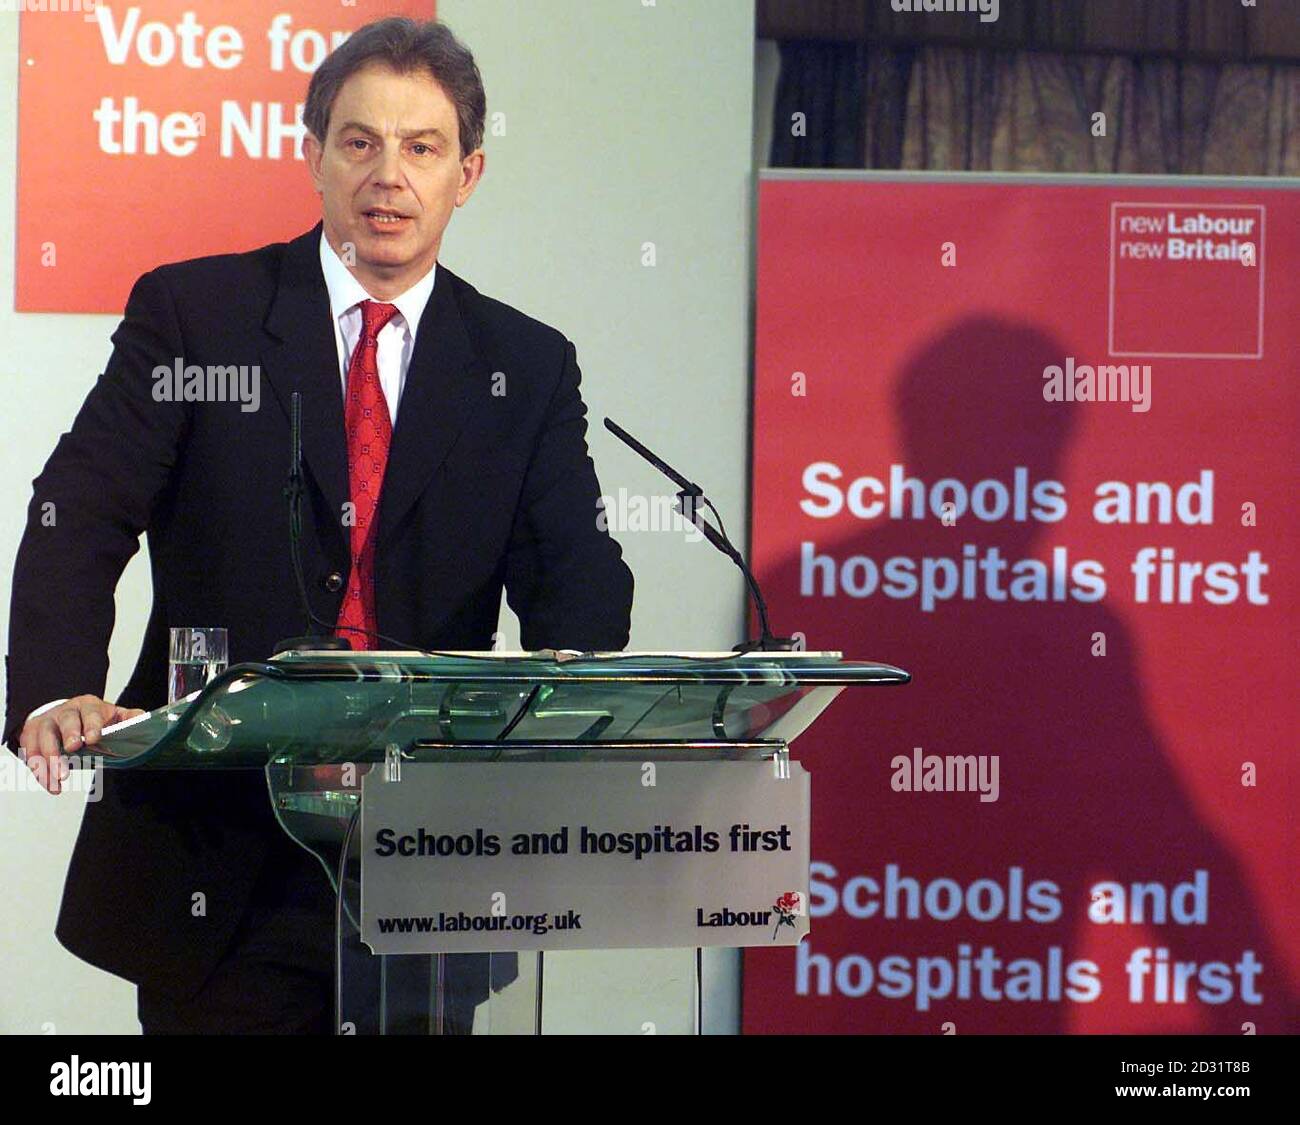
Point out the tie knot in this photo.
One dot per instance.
(374, 315)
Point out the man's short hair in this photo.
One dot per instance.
(405, 46)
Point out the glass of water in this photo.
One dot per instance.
(195, 657)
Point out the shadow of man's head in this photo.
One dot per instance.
(974, 397)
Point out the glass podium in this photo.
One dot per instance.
(317, 723)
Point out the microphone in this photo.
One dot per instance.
(311, 641)
(688, 501)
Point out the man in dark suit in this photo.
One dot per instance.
(445, 457)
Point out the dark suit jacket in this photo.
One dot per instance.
(482, 491)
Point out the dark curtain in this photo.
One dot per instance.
(978, 109)
(1208, 30)
(819, 105)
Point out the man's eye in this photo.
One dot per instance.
(358, 143)
(420, 149)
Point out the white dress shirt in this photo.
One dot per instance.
(396, 338)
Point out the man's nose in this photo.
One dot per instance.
(388, 170)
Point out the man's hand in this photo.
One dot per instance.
(72, 726)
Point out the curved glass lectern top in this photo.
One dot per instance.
(327, 708)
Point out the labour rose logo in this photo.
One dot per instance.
(787, 908)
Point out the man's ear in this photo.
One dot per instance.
(471, 171)
(314, 154)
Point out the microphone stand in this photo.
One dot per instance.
(688, 501)
(293, 490)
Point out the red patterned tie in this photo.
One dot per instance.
(370, 432)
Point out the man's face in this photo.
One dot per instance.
(389, 175)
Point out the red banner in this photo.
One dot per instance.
(161, 130)
(1036, 445)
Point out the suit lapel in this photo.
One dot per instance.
(302, 356)
(435, 403)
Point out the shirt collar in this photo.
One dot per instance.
(346, 292)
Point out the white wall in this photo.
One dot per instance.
(625, 124)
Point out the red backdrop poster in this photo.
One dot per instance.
(161, 130)
(1035, 443)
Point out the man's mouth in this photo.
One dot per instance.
(384, 217)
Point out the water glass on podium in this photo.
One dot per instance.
(194, 657)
